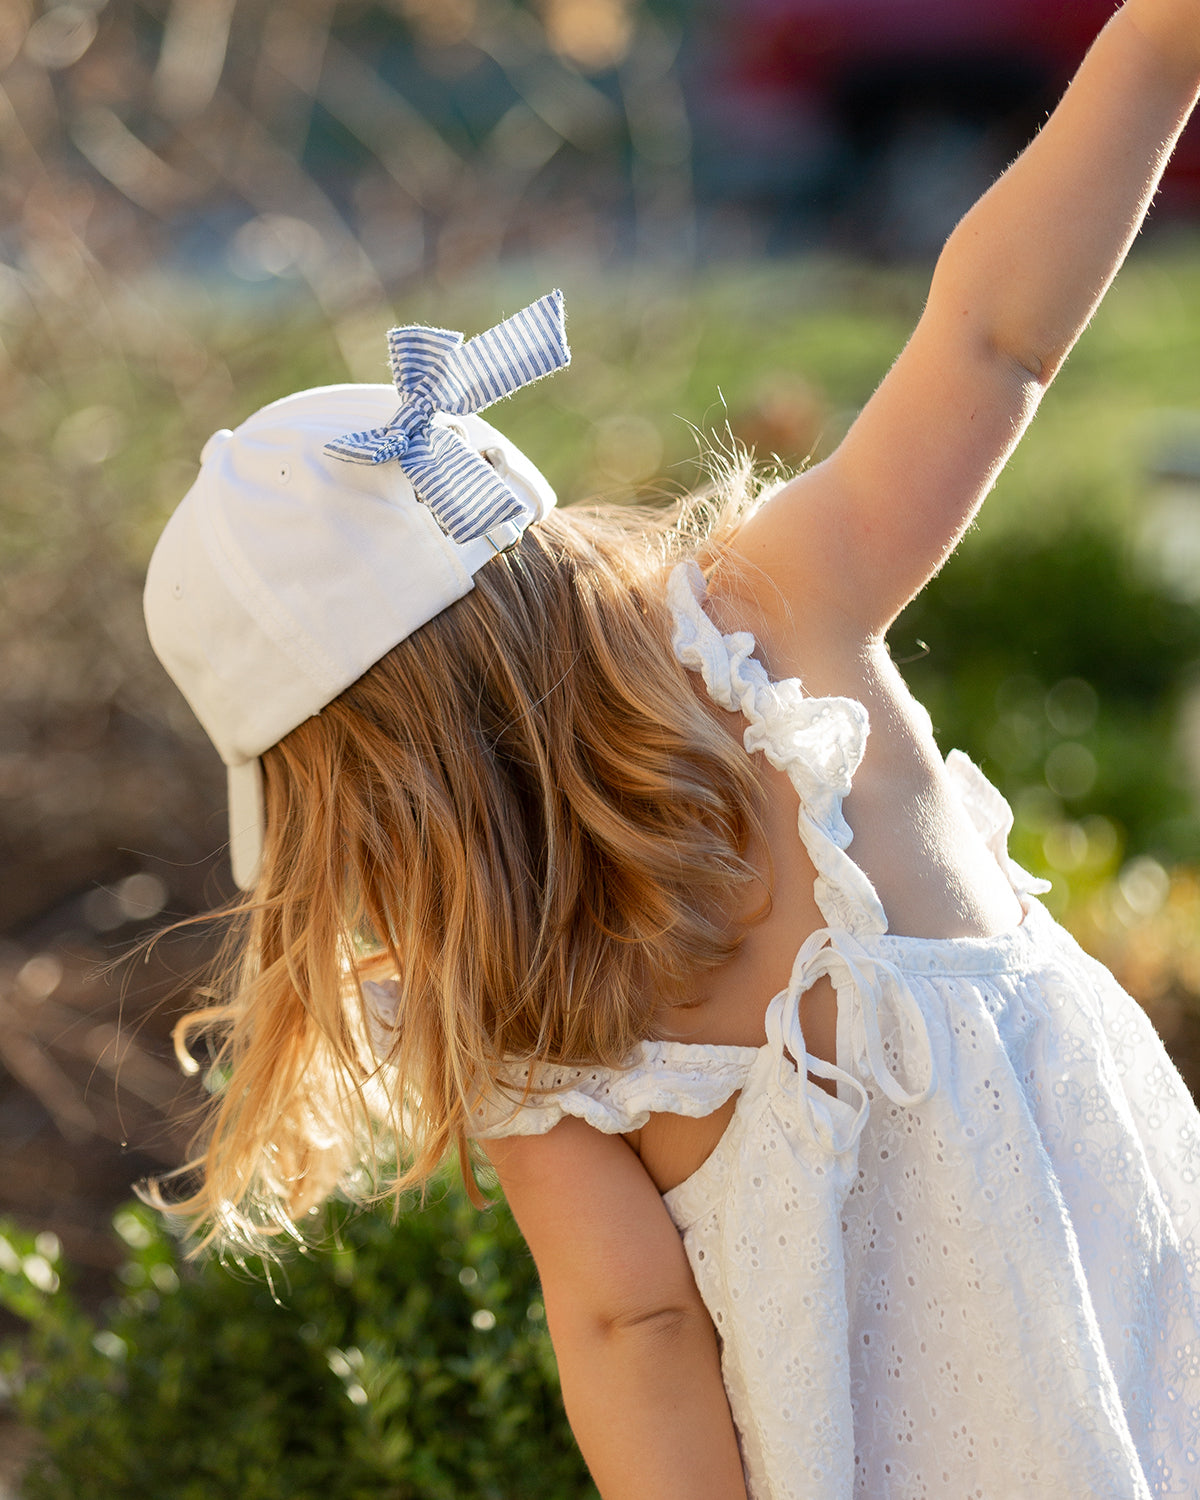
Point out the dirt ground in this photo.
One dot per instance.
(92, 1099)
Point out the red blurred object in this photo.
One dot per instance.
(832, 87)
(785, 40)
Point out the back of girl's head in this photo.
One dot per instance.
(522, 824)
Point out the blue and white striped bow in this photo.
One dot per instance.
(435, 371)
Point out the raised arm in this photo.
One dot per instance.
(854, 538)
(636, 1350)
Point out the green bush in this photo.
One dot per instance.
(1061, 665)
(397, 1361)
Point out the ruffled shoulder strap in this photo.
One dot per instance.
(679, 1078)
(818, 742)
(992, 818)
(661, 1077)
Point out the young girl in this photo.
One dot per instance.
(846, 1172)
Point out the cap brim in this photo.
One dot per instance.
(246, 821)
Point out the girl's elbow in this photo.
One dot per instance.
(661, 1319)
(667, 1324)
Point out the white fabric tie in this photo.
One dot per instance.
(872, 982)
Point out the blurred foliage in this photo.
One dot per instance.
(1063, 669)
(350, 144)
(210, 203)
(399, 1361)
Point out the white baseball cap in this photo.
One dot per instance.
(287, 571)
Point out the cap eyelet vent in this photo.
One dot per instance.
(496, 458)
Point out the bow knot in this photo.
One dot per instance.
(391, 444)
(436, 372)
(864, 982)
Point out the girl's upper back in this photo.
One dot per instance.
(928, 870)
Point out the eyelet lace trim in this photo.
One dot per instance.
(662, 1077)
(817, 742)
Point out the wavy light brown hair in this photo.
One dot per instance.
(523, 818)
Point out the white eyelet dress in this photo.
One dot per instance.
(973, 1273)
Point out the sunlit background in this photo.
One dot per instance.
(205, 204)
